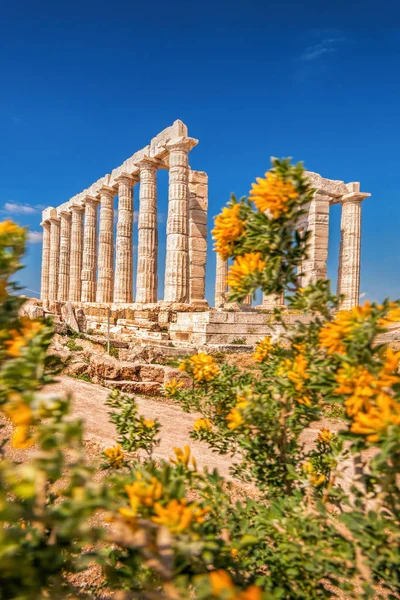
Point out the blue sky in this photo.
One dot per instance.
(85, 84)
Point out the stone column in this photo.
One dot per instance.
(177, 260)
(75, 269)
(54, 257)
(44, 286)
(124, 245)
(105, 281)
(314, 267)
(198, 205)
(350, 249)
(89, 258)
(221, 286)
(65, 246)
(147, 277)
(270, 301)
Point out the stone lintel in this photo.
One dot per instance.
(354, 197)
(328, 187)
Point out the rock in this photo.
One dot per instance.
(68, 315)
(60, 327)
(76, 368)
(103, 367)
(81, 319)
(32, 311)
(141, 354)
(147, 388)
(151, 373)
(172, 373)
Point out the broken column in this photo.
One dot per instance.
(65, 246)
(177, 259)
(147, 278)
(123, 291)
(105, 280)
(75, 270)
(198, 205)
(221, 286)
(89, 257)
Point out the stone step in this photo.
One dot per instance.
(145, 388)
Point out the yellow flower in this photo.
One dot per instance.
(115, 456)
(228, 228)
(149, 423)
(378, 418)
(183, 457)
(21, 415)
(202, 366)
(244, 266)
(263, 349)
(273, 194)
(343, 327)
(222, 586)
(393, 315)
(141, 493)
(10, 228)
(325, 435)
(20, 338)
(234, 418)
(295, 371)
(314, 478)
(171, 387)
(177, 515)
(200, 424)
(21, 437)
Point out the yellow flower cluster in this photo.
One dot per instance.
(171, 387)
(148, 423)
(273, 194)
(334, 333)
(178, 515)
(202, 366)
(325, 435)
(263, 349)
(243, 266)
(235, 416)
(228, 229)
(115, 456)
(19, 339)
(202, 424)
(296, 371)
(368, 401)
(8, 227)
(222, 586)
(140, 494)
(393, 315)
(21, 415)
(314, 477)
(183, 457)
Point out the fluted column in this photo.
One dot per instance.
(75, 269)
(198, 205)
(314, 267)
(221, 286)
(105, 281)
(177, 260)
(124, 246)
(54, 257)
(89, 256)
(44, 286)
(65, 246)
(350, 249)
(147, 276)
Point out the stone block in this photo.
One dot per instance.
(198, 244)
(151, 373)
(198, 216)
(68, 316)
(197, 230)
(144, 388)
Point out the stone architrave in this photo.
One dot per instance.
(314, 267)
(75, 271)
(44, 286)
(198, 206)
(177, 259)
(105, 281)
(54, 257)
(221, 286)
(123, 291)
(89, 258)
(147, 277)
(65, 248)
(350, 249)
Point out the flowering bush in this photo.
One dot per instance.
(315, 520)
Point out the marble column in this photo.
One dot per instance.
(89, 258)
(105, 280)
(198, 206)
(44, 286)
(176, 287)
(350, 249)
(124, 244)
(54, 257)
(314, 267)
(75, 270)
(147, 276)
(221, 286)
(65, 247)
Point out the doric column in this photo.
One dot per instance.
(75, 269)
(198, 205)
(147, 277)
(350, 249)
(314, 267)
(124, 245)
(44, 287)
(105, 281)
(54, 257)
(65, 246)
(89, 258)
(177, 260)
(221, 286)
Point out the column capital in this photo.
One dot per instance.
(128, 178)
(107, 190)
(91, 200)
(181, 143)
(54, 219)
(354, 197)
(45, 223)
(151, 164)
(65, 213)
(76, 208)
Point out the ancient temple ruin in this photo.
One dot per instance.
(83, 264)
